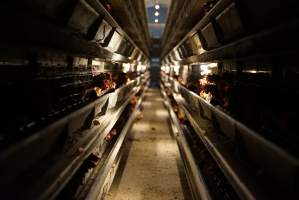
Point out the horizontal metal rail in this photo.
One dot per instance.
(195, 179)
(96, 191)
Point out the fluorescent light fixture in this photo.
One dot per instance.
(205, 68)
(144, 67)
(157, 6)
(126, 67)
(176, 69)
(206, 72)
(156, 13)
(156, 20)
(167, 69)
(139, 67)
(254, 71)
(97, 66)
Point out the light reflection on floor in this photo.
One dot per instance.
(161, 113)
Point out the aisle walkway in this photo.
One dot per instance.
(151, 169)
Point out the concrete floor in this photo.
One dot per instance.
(151, 168)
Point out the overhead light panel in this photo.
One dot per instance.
(156, 13)
(157, 6)
(156, 20)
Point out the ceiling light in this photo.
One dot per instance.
(157, 6)
(156, 13)
(156, 20)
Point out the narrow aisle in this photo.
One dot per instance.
(151, 168)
